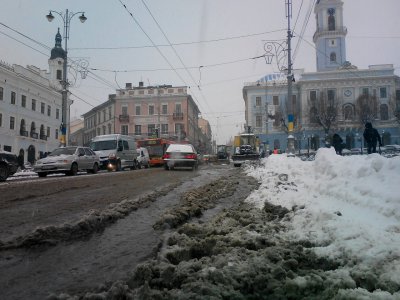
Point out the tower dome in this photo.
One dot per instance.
(57, 51)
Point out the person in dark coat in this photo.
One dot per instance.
(371, 137)
(337, 143)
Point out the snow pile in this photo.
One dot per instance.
(347, 207)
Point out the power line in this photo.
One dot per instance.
(179, 44)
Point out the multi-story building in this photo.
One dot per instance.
(338, 97)
(30, 106)
(206, 144)
(76, 129)
(147, 111)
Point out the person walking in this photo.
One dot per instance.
(337, 143)
(371, 137)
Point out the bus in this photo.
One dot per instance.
(156, 148)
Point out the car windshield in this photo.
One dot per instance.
(180, 148)
(103, 145)
(63, 151)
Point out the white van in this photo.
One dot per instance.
(115, 151)
(143, 157)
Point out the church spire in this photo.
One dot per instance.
(57, 51)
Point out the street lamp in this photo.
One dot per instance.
(65, 107)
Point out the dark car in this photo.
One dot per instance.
(180, 155)
(8, 164)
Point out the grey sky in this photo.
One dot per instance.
(373, 38)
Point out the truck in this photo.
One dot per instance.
(246, 148)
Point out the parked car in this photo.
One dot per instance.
(143, 157)
(180, 155)
(394, 148)
(8, 165)
(68, 160)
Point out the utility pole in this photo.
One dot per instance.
(290, 139)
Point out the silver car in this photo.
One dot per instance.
(68, 160)
(180, 155)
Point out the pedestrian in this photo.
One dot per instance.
(371, 137)
(276, 151)
(20, 159)
(337, 143)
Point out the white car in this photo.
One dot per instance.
(68, 160)
(143, 157)
(180, 155)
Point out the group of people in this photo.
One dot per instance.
(371, 137)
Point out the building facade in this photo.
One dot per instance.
(337, 98)
(30, 109)
(147, 111)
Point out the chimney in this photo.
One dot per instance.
(140, 83)
(128, 85)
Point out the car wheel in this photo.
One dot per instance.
(166, 167)
(42, 174)
(3, 172)
(74, 170)
(118, 168)
(95, 168)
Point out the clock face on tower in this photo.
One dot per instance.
(347, 93)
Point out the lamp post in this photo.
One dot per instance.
(308, 146)
(278, 50)
(67, 16)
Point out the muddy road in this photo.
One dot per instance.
(76, 234)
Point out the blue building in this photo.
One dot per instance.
(337, 98)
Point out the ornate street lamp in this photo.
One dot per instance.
(65, 107)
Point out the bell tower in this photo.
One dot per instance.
(330, 35)
(56, 60)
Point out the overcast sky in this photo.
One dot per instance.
(222, 36)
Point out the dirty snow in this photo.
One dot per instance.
(347, 207)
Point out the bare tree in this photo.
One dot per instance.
(324, 111)
(280, 117)
(366, 108)
(394, 106)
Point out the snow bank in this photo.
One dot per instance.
(350, 208)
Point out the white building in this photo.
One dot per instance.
(30, 106)
(339, 94)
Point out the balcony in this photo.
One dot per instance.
(23, 133)
(124, 118)
(177, 116)
(34, 135)
(43, 137)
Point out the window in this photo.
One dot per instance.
(126, 145)
(137, 110)
(278, 118)
(23, 100)
(275, 100)
(164, 128)
(178, 108)
(179, 128)
(138, 129)
(22, 127)
(180, 90)
(348, 112)
(49, 110)
(151, 129)
(150, 92)
(313, 115)
(313, 97)
(1, 120)
(109, 128)
(258, 101)
(104, 129)
(141, 92)
(124, 110)
(258, 121)
(33, 104)
(164, 109)
(1, 93)
(98, 118)
(42, 107)
(12, 97)
(151, 109)
(104, 115)
(382, 93)
(48, 132)
(333, 57)
(331, 97)
(170, 91)
(384, 112)
(109, 113)
(57, 113)
(331, 19)
(365, 91)
(56, 134)
(124, 129)
(59, 75)
(12, 123)
(98, 131)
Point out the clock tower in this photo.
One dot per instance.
(330, 35)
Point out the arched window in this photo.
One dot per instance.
(384, 112)
(42, 133)
(22, 127)
(33, 127)
(313, 115)
(59, 74)
(331, 19)
(333, 57)
(348, 112)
